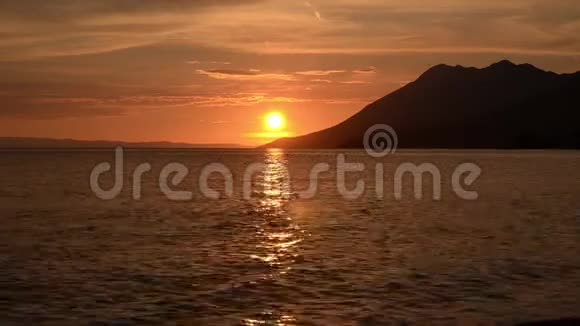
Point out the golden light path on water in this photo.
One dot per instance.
(277, 234)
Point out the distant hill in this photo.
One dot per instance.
(39, 143)
(503, 106)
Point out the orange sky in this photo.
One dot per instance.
(208, 71)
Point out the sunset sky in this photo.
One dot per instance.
(204, 71)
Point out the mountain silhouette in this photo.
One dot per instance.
(503, 106)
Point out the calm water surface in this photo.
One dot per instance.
(67, 257)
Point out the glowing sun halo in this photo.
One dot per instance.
(274, 121)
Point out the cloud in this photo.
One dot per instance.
(320, 72)
(324, 81)
(18, 107)
(144, 101)
(35, 29)
(237, 74)
(58, 107)
(385, 27)
(198, 62)
(59, 9)
(349, 101)
(354, 82)
(317, 14)
(369, 70)
(38, 29)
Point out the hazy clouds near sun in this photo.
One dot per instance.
(69, 63)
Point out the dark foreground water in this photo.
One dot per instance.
(67, 257)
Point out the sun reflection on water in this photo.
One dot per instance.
(282, 320)
(278, 236)
(277, 233)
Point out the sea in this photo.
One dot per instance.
(275, 237)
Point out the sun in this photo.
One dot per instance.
(274, 121)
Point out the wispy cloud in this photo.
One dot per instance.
(324, 81)
(369, 70)
(33, 29)
(320, 72)
(198, 62)
(237, 74)
(317, 14)
(354, 82)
